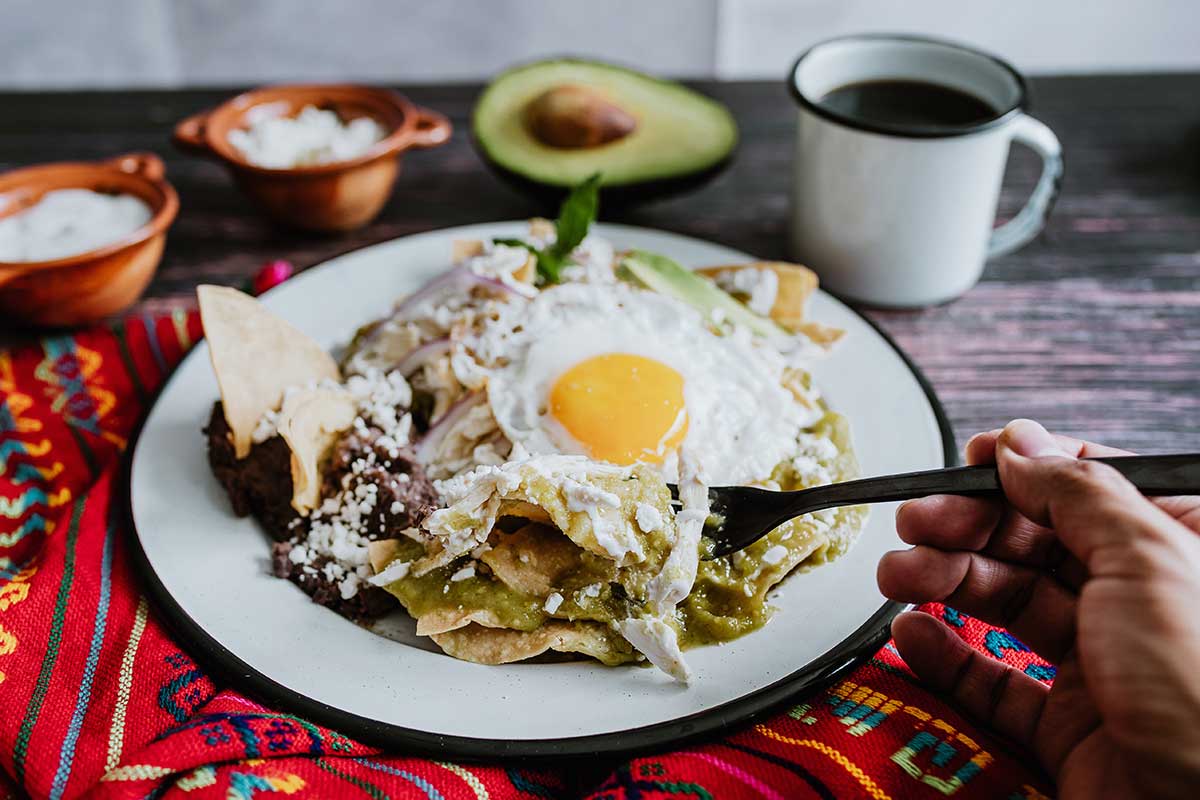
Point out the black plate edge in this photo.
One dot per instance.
(736, 714)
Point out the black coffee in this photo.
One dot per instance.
(907, 104)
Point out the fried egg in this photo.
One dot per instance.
(627, 376)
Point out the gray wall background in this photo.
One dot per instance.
(105, 43)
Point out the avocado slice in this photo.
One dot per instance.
(547, 126)
(665, 276)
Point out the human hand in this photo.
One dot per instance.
(1096, 579)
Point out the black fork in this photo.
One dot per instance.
(741, 515)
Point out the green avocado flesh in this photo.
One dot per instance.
(678, 132)
(665, 276)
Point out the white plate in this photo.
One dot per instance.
(209, 574)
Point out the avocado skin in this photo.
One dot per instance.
(632, 193)
(548, 197)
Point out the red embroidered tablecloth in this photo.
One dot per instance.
(96, 697)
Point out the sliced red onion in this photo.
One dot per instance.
(422, 355)
(431, 442)
(458, 279)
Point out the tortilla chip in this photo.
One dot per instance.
(462, 249)
(256, 356)
(382, 552)
(796, 285)
(310, 422)
(532, 560)
(541, 228)
(822, 335)
(482, 645)
(524, 510)
(444, 620)
(528, 270)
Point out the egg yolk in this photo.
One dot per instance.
(622, 408)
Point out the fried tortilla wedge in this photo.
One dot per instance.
(503, 646)
(256, 356)
(520, 508)
(445, 620)
(795, 285)
(310, 421)
(382, 552)
(462, 249)
(822, 335)
(533, 559)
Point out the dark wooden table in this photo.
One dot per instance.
(1094, 329)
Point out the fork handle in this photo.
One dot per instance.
(1152, 475)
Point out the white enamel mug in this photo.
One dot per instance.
(904, 216)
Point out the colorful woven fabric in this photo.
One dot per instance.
(95, 696)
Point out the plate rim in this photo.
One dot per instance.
(219, 661)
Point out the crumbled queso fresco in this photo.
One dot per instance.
(338, 528)
(314, 136)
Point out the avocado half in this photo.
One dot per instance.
(548, 126)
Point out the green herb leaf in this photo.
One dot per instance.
(576, 215)
(549, 265)
(516, 243)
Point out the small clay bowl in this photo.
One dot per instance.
(333, 197)
(85, 288)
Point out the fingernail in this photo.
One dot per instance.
(1027, 438)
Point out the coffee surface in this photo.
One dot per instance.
(905, 104)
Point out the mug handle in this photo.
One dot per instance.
(1028, 223)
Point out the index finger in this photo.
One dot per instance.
(981, 448)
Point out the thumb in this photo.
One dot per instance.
(1090, 505)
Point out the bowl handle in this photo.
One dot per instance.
(432, 129)
(145, 164)
(189, 134)
(9, 273)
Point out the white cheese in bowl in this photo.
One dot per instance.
(67, 222)
(314, 136)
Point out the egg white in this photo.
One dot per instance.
(741, 420)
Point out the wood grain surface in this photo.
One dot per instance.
(1094, 329)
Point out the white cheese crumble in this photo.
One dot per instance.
(391, 573)
(553, 601)
(775, 554)
(649, 518)
(813, 452)
(759, 286)
(314, 136)
(466, 572)
(67, 222)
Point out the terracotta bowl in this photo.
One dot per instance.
(85, 288)
(338, 196)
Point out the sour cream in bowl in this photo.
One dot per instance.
(67, 222)
(80, 240)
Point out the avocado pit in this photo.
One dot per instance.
(575, 117)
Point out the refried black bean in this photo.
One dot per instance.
(259, 484)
